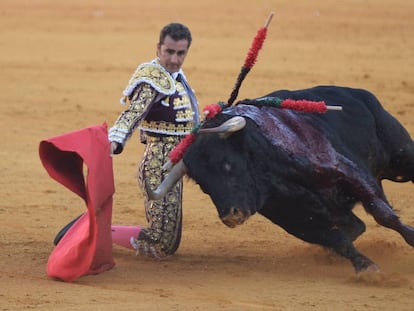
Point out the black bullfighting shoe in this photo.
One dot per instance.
(63, 231)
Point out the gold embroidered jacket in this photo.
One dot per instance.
(158, 104)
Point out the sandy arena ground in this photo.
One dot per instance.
(64, 65)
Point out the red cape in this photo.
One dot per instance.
(87, 246)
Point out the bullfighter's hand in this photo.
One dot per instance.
(115, 148)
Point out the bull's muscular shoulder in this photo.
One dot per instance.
(153, 74)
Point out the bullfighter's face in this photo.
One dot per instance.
(172, 53)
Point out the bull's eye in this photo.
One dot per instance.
(227, 167)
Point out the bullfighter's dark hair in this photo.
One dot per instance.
(176, 31)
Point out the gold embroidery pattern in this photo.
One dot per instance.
(182, 101)
(164, 216)
(161, 127)
(185, 115)
(128, 120)
(153, 74)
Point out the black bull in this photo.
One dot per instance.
(306, 171)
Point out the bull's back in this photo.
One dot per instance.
(363, 130)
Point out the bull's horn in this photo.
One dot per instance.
(231, 125)
(178, 171)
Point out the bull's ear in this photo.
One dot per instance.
(227, 128)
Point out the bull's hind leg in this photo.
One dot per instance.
(385, 216)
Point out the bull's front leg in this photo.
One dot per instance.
(342, 245)
(317, 228)
(340, 242)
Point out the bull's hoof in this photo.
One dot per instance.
(369, 276)
(372, 268)
(362, 263)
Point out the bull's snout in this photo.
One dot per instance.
(235, 217)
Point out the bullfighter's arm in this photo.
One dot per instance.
(128, 121)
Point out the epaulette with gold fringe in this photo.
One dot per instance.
(153, 74)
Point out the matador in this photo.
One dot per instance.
(164, 108)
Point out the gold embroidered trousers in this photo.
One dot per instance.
(163, 235)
